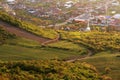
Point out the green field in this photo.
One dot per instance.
(67, 45)
(10, 52)
(24, 49)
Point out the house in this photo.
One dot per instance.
(116, 16)
(69, 4)
(82, 18)
(31, 11)
(11, 1)
(115, 3)
(32, 0)
(88, 29)
(92, 0)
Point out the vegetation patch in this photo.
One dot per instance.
(66, 45)
(4, 35)
(48, 70)
(95, 41)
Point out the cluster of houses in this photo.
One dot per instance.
(91, 14)
(93, 17)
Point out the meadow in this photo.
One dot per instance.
(25, 49)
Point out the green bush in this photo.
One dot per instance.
(48, 70)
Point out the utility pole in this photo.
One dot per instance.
(106, 13)
(89, 15)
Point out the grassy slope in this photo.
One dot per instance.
(106, 59)
(23, 49)
(66, 45)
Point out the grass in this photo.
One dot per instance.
(68, 46)
(15, 52)
(23, 42)
(25, 49)
(106, 59)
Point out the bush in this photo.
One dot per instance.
(48, 70)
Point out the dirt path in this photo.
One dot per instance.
(80, 58)
(22, 33)
(52, 41)
(43, 41)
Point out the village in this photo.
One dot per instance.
(102, 13)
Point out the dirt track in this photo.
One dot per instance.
(43, 41)
(22, 33)
(90, 53)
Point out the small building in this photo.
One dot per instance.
(11, 1)
(82, 18)
(69, 4)
(31, 11)
(115, 3)
(88, 29)
(116, 16)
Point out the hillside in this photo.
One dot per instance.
(21, 41)
(21, 33)
(46, 33)
(72, 47)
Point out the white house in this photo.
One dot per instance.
(115, 3)
(11, 1)
(117, 16)
(69, 4)
(88, 29)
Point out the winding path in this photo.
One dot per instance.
(43, 41)
(22, 33)
(90, 53)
